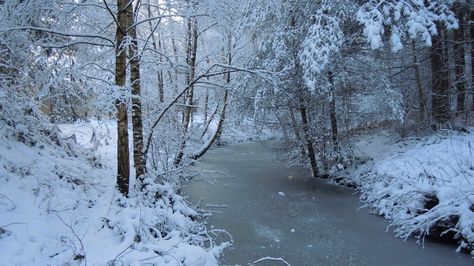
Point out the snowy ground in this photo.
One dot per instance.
(423, 186)
(58, 206)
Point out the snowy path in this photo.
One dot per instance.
(274, 211)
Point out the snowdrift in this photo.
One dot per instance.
(427, 190)
(58, 205)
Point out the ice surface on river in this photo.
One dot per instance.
(330, 229)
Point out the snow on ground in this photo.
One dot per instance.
(58, 206)
(422, 186)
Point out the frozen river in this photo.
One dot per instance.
(271, 210)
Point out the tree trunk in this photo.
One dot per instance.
(333, 115)
(173, 81)
(123, 159)
(209, 121)
(419, 85)
(309, 142)
(294, 125)
(137, 122)
(218, 131)
(191, 61)
(471, 35)
(468, 73)
(161, 82)
(226, 77)
(157, 45)
(459, 65)
(206, 106)
(440, 84)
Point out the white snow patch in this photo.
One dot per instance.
(59, 206)
(438, 171)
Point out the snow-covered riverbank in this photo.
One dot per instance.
(275, 211)
(425, 187)
(59, 206)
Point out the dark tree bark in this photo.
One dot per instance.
(440, 83)
(459, 63)
(333, 115)
(309, 142)
(298, 83)
(123, 155)
(160, 76)
(471, 35)
(296, 130)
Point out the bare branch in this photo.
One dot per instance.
(60, 33)
(111, 12)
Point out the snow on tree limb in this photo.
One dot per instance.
(414, 19)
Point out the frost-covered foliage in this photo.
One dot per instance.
(363, 85)
(58, 201)
(324, 39)
(47, 55)
(427, 190)
(58, 205)
(314, 49)
(414, 19)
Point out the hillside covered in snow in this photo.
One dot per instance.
(59, 205)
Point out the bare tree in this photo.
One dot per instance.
(191, 49)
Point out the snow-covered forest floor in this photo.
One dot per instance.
(424, 186)
(59, 205)
(58, 201)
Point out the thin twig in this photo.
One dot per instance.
(76, 236)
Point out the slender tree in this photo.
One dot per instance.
(440, 83)
(460, 81)
(124, 18)
(419, 85)
(191, 49)
(137, 123)
(333, 114)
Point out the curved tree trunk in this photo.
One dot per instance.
(309, 142)
(218, 131)
(296, 131)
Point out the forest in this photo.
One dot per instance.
(111, 109)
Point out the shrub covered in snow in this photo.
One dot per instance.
(427, 190)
